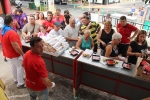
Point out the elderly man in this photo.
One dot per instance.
(93, 27)
(49, 23)
(57, 30)
(12, 48)
(31, 28)
(71, 32)
(125, 29)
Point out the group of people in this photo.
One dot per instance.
(82, 33)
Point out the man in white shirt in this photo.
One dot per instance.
(71, 32)
(57, 30)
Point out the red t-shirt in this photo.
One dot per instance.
(35, 69)
(125, 31)
(61, 17)
(48, 23)
(8, 50)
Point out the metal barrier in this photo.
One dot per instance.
(116, 21)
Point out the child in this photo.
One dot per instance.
(43, 31)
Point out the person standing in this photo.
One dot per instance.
(93, 27)
(125, 29)
(12, 49)
(49, 21)
(105, 36)
(37, 80)
(133, 9)
(71, 32)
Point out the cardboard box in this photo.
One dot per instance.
(143, 70)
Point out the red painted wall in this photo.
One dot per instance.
(7, 6)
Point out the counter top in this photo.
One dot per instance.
(116, 68)
(65, 54)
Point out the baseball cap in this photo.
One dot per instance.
(57, 23)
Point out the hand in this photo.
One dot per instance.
(27, 37)
(130, 38)
(139, 54)
(104, 44)
(89, 24)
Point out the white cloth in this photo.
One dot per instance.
(53, 32)
(17, 70)
(71, 33)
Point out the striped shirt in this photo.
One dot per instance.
(93, 28)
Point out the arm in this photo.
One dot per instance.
(17, 48)
(79, 44)
(130, 53)
(92, 44)
(24, 31)
(108, 52)
(47, 82)
(98, 38)
(18, 26)
(71, 39)
(135, 33)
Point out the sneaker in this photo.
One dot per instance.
(5, 60)
(21, 86)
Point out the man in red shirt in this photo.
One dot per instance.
(36, 75)
(49, 21)
(12, 49)
(125, 29)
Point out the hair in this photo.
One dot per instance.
(86, 13)
(20, 10)
(108, 22)
(43, 26)
(72, 19)
(42, 14)
(87, 32)
(123, 18)
(86, 17)
(32, 16)
(137, 37)
(8, 19)
(37, 14)
(34, 40)
(116, 36)
(66, 11)
(49, 12)
(58, 9)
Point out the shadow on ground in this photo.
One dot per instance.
(63, 91)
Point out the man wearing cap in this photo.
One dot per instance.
(71, 32)
(57, 30)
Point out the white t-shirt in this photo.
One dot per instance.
(53, 32)
(71, 33)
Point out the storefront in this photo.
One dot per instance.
(105, 2)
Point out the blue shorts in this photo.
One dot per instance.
(42, 95)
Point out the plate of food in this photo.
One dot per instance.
(126, 65)
(96, 58)
(74, 52)
(110, 62)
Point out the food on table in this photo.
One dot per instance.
(96, 57)
(73, 47)
(87, 53)
(104, 59)
(52, 44)
(110, 62)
